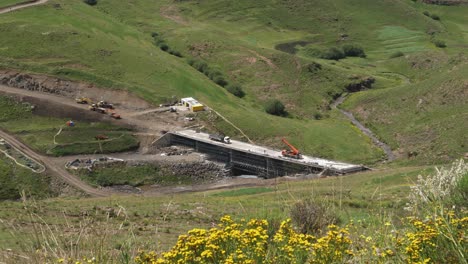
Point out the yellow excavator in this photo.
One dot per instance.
(83, 100)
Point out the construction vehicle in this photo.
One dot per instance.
(292, 152)
(105, 104)
(94, 107)
(220, 138)
(115, 115)
(83, 100)
(101, 137)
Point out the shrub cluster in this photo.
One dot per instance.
(90, 2)
(159, 42)
(275, 107)
(217, 77)
(397, 54)
(439, 43)
(437, 240)
(311, 216)
(335, 53)
(433, 16)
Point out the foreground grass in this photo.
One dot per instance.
(155, 223)
(374, 227)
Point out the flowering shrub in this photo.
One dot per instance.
(438, 187)
(248, 242)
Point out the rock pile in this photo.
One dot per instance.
(199, 171)
(38, 83)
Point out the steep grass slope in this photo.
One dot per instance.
(74, 40)
(241, 37)
(110, 44)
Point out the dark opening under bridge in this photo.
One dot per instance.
(254, 159)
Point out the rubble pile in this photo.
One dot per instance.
(38, 83)
(197, 170)
(92, 164)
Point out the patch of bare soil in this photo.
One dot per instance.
(24, 4)
(172, 12)
(70, 89)
(265, 59)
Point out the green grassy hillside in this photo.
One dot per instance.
(111, 44)
(16, 180)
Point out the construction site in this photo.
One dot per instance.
(170, 132)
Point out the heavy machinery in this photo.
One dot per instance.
(115, 115)
(105, 104)
(101, 137)
(220, 138)
(83, 100)
(94, 107)
(292, 152)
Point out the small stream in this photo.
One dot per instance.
(386, 148)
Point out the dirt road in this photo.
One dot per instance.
(58, 170)
(22, 5)
(136, 119)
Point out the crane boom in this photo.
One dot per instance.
(293, 152)
(293, 149)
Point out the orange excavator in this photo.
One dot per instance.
(292, 152)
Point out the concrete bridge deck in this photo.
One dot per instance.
(256, 159)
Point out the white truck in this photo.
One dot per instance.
(220, 138)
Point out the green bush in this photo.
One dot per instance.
(435, 17)
(439, 43)
(353, 51)
(219, 80)
(163, 46)
(332, 54)
(214, 73)
(426, 13)
(312, 216)
(201, 66)
(236, 90)
(318, 116)
(460, 194)
(90, 2)
(175, 53)
(397, 54)
(275, 107)
(191, 61)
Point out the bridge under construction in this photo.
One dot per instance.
(252, 159)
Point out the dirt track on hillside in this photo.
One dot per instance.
(53, 168)
(22, 5)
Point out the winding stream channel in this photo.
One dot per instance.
(386, 148)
